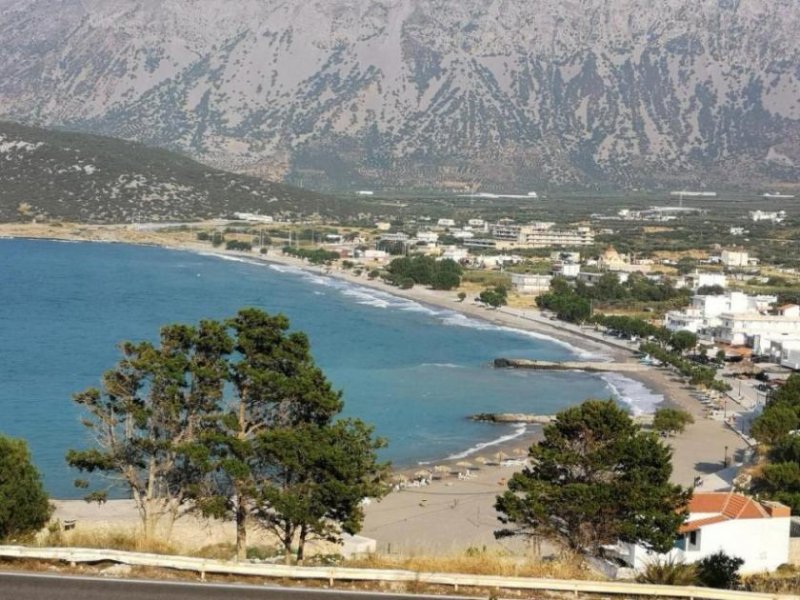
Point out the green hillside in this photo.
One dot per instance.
(89, 178)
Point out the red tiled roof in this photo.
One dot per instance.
(723, 506)
(695, 525)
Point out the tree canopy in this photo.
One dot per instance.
(425, 270)
(24, 506)
(778, 428)
(234, 419)
(596, 478)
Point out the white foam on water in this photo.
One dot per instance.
(443, 365)
(239, 259)
(519, 431)
(640, 399)
(367, 296)
(461, 320)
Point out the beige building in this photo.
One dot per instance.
(529, 283)
(541, 235)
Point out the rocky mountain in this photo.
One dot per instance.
(89, 178)
(465, 94)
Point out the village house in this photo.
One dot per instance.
(755, 531)
(705, 312)
(530, 283)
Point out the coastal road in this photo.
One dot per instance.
(34, 586)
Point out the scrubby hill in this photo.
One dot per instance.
(98, 179)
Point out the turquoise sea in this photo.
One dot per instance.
(414, 371)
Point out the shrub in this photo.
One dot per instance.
(406, 283)
(668, 572)
(24, 506)
(719, 571)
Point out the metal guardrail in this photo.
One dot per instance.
(332, 574)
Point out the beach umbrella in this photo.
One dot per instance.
(482, 460)
(464, 463)
(442, 469)
(521, 451)
(501, 456)
(422, 473)
(400, 478)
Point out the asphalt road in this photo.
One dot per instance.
(31, 586)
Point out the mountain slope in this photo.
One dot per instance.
(405, 92)
(90, 178)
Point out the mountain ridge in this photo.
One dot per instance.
(463, 94)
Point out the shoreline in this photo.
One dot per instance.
(585, 343)
(451, 513)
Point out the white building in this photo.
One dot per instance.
(541, 235)
(383, 225)
(379, 255)
(445, 223)
(253, 217)
(737, 230)
(742, 328)
(757, 532)
(429, 237)
(479, 223)
(734, 258)
(566, 269)
(455, 253)
(772, 217)
(498, 260)
(705, 312)
(697, 280)
(529, 283)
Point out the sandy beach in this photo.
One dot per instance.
(450, 514)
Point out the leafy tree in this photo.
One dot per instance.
(596, 478)
(462, 296)
(319, 476)
(681, 341)
(719, 571)
(671, 420)
(774, 424)
(24, 507)
(237, 245)
(494, 297)
(406, 283)
(373, 274)
(150, 410)
(781, 481)
(710, 290)
(686, 265)
(279, 394)
(425, 270)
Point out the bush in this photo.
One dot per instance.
(373, 274)
(24, 506)
(237, 245)
(671, 420)
(406, 283)
(668, 572)
(719, 571)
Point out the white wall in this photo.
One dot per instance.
(762, 543)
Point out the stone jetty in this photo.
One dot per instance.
(513, 418)
(544, 365)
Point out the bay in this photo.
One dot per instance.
(413, 371)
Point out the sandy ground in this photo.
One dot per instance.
(449, 515)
